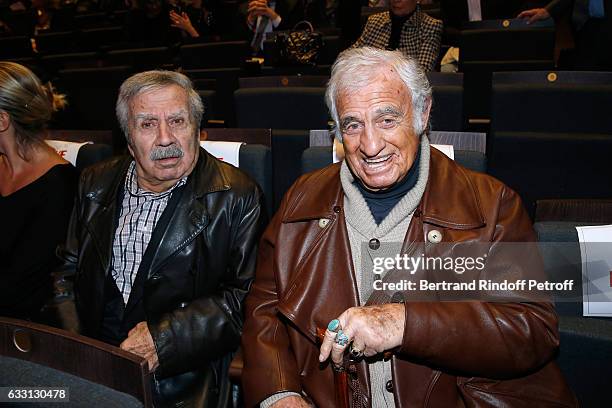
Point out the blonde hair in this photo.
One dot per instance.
(28, 102)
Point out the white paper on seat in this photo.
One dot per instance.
(228, 152)
(68, 150)
(596, 253)
(448, 150)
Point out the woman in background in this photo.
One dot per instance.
(406, 28)
(37, 189)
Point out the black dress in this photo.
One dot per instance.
(33, 222)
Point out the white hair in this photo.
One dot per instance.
(355, 68)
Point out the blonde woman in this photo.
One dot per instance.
(37, 189)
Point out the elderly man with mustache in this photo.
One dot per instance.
(162, 244)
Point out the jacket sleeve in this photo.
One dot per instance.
(487, 339)
(430, 46)
(265, 343)
(65, 275)
(210, 326)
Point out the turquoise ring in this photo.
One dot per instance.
(333, 326)
(342, 339)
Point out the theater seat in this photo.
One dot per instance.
(447, 108)
(281, 108)
(96, 373)
(585, 356)
(82, 155)
(256, 161)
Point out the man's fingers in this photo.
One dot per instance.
(337, 353)
(326, 346)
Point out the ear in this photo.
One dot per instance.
(129, 146)
(425, 114)
(5, 121)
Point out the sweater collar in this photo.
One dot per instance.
(450, 199)
(358, 213)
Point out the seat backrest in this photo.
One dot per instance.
(92, 94)
(287, 148)
(585, 352)
(15, 47)
(255, 160)
(55, 42)
(551, 102)
(77, 355)
(80, 136)
(248, 136)
(208, 97)
(551, 134)
(93, 39)
(281, 108)
(506, 41)
(284, 80)
(141, 58)
(227, 54)
(447, 109)
(226, 82)
(55, 62)
(500, 45)
(575, 210)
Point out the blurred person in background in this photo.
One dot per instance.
(195, 19)
(457, 12)
(592, 29)
(406, 28)
(37, 189)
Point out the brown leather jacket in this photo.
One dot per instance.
(453, 354)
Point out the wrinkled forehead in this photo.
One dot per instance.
(159, 100)
(380, 85)
(383, 77)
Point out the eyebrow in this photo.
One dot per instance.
(178, 114)
(348, 119)
(388, 110)
(149, 116)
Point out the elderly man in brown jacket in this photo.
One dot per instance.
(392, 187)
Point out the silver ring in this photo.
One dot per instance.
(355, 353)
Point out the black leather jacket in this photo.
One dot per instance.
(199, 275)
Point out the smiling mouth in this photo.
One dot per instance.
(377, 162)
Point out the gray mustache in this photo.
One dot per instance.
(165, 152)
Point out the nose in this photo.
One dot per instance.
(165, 137)
(371, 142)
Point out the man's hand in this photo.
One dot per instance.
(140, 342)
(260, 8)
(534, 15)
(291, 402)
(372, 329)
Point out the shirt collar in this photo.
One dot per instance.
(131, 185)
